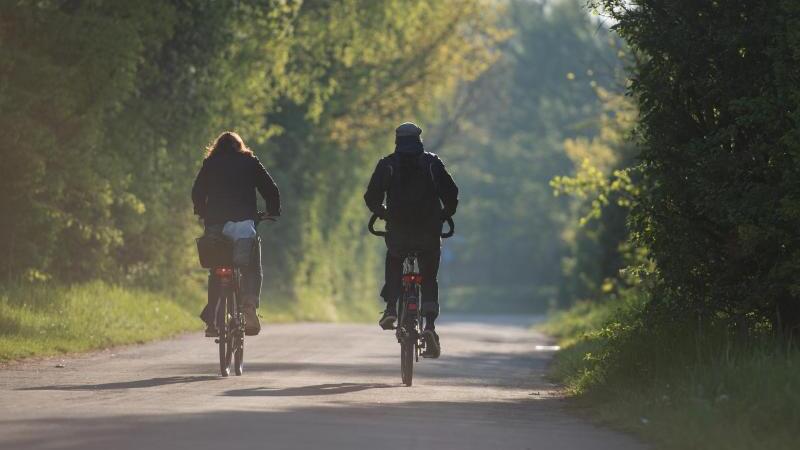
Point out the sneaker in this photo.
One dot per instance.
(251, 324)
(211, 331)
(432, 347)
(389, 317)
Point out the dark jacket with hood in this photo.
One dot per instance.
(225, 188)
(422, 229)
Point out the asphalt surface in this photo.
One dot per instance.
(305, 386)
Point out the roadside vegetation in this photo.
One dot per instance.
(685, 321)
(43, 319)
(675, 385)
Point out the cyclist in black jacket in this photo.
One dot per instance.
(419, 195)
(225, 191)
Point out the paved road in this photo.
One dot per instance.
(306, 386)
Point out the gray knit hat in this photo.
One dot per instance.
(408, 129)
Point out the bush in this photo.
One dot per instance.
(681, 385)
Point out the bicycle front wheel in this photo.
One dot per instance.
(238, 355)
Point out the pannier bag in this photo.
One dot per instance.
(214, 250)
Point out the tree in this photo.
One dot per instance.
(717, 89)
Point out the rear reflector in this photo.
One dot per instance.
(412, 306)
(412, 278)
(223, 271)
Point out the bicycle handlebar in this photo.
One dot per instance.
(452, 225)
(262, 216)
(371, 226)
(448, 221)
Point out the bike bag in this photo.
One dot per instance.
(214, 250)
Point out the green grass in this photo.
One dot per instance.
(49, 319)
(674, 388)
(281, 310)
(46, 319)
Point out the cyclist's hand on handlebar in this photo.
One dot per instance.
(380, 211)
(262, 216)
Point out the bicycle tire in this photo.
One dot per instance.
(222, 326)
(230, 334)
(407, 361)
(237, 339)
(237, 336)
(238, 355)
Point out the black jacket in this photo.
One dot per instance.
(225, 189)
(428, 222)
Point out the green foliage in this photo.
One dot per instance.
(603, 191)
(106, 107)
(717, 89)
(58, 87)
(598, 177)
(682, 346)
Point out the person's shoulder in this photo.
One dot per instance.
(249, 158)
(210, 161)
(388, 159)
(431, 158)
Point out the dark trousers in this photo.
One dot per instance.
(428, 262)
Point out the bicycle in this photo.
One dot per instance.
(409, 319)
(229, 316)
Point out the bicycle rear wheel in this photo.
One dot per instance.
(230, 335)
(224, 333)
(407, 360)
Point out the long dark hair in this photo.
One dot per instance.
(227, 142)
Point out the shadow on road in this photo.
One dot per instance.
(522, 424)
(300, 391)
(134, 384)
(485, 368)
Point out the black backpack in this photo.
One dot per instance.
(412, 192)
